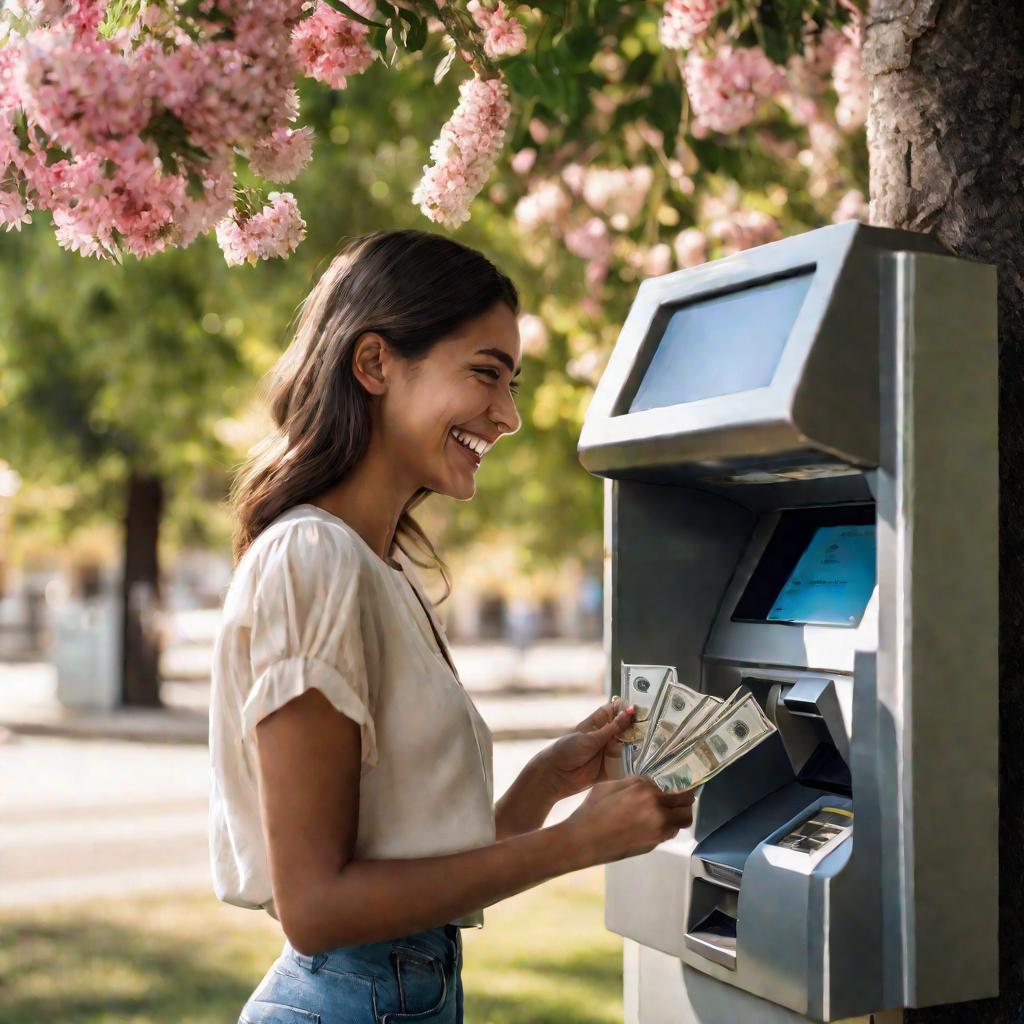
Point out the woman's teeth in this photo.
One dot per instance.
(471, 441)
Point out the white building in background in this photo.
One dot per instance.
(494, 599)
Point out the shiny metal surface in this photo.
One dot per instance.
(872, 403)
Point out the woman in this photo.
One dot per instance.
(352, 792)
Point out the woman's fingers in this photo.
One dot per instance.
(677, 799)
(605, 715)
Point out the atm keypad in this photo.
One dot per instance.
(826, 826)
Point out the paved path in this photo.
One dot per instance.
(108, 818)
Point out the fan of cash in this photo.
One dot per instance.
(680, 737)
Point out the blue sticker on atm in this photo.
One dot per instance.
(833, 580)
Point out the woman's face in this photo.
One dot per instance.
(441, 414)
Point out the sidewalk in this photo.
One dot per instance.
(538, 693)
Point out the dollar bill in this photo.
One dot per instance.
(640, 687)
(678, 711)
(731, 736)
(707, 709)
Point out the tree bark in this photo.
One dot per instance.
(947, 157)
(141, 592)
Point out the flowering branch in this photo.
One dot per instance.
(124, 119)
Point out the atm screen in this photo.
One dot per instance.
(818, 569)
(722, 345)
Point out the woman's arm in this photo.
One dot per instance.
(525, 805)
(574, 762)
(309, 793)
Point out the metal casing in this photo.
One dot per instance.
(813, 414)
(887, 385)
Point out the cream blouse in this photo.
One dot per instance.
(310, 604)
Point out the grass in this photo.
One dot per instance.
(543, 957)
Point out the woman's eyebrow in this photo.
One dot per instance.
(502, 357)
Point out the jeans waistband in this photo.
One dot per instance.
(443, 941)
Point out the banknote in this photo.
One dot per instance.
(706, 709)
(641, 685)
(678, 711)
(732, 735)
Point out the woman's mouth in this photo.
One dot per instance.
(472, 446)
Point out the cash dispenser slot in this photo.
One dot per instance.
(810, 722)
(717, 872)
(713, 907)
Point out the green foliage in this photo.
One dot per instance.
(104, 368)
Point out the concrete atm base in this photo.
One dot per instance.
(655, 993)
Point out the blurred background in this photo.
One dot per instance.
(129, 394)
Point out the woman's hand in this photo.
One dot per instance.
(591, 752)
(625, 817)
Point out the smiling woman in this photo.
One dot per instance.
(352, 788)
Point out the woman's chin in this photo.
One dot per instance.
(455, 487)
(463, 491)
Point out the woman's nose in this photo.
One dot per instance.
(505, 413)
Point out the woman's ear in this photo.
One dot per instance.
(369, 362)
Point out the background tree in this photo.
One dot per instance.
(609, 176)
(946, 150)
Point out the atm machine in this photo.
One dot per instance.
(800, 450)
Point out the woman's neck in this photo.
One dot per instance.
(370, 500)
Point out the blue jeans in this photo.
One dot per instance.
(414, 979)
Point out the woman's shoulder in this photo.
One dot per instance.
(304, 542)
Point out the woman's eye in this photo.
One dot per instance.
(493, 374)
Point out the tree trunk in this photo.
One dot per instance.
(141, 592)
(947, 157)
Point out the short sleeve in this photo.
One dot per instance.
(306, 629)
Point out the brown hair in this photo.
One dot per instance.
(413, 287)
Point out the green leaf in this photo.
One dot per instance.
(666, 109)
(21, 130)
(417, 36)
(640, 68)
(343, 8)
(397, 29)
(194, 185)
(379, 41)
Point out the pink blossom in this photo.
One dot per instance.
(275, 231)
(283, 154)
(574, 175)
(131, 139)
(465, 152)
(586, 366)
(596, 272)
(682, 21)
(852, 206)
(690, 247)
(727, 88)
(330, 47)
(544, 206)
(14, 210)
(589, 240)
(81, 93)
(850, 82)
(99, 207)
(523, 161)
(657, 260)
(533, 334)
(617, 192)
(503, 35)
(538, 130)
(232, 91)
(743, 229)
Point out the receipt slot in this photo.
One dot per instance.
(800, 449)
